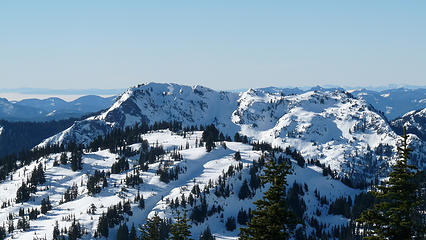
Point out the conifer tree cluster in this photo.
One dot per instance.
(75, 230)
(155, 228)
(396, 213)
(240, 138)
(210, 136)
(63, 159)
(24, 191)
(37, 176)
(70, 194)
(207, 235)
(114, 216)
(76, 159)
(121, 165)
(123, 232)
(96, 182)
(133, 179)
(23, 224)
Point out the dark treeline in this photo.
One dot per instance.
(18, 136)
(22, 136)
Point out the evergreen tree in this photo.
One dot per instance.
(76, 158)
(23, 224)
(2, 233)
(10, 227)
(180, 229)
(210, 135)
(395, 212)
(151, 230)
(103, 229)
(74, 231)
(63, 159)
(123, 232)
(272, 218)
(237, 137)
(56, 232)
(242, 217)
(23, 193)
(33, 214)
(43, 207)
(237, 156)
(244, 191)
(207, 235)
(141, 203)
(230, 224)
(132, 234)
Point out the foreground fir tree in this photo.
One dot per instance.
(155, 228)
(396, 214)
(272, 218)
(180, 229)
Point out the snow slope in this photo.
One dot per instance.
(199, 166)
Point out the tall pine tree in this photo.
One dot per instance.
(396, 215)
(180, 229)
(151, 230)
(272, 218)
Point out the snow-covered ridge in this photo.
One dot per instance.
(414, 121)
(154, 102)
(331, 126)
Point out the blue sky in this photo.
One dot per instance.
(219, 44)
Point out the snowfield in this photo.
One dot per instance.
(200, 168)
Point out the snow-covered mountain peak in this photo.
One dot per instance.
(331, 126)
(157, 102)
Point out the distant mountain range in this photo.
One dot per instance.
(36, 110)
(394, 102)
(48, 91)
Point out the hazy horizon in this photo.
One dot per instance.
(17, 94)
